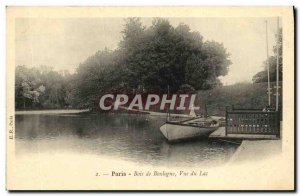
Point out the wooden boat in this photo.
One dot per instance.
(196, 127)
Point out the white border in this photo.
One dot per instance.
(4, 3)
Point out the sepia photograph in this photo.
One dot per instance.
(150, 98)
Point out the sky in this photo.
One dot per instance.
(65, 43)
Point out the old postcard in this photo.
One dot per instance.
(150, 98)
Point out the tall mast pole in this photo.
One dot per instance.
(268, 67)
(277, 65)
(168, 112)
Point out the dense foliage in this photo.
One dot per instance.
(241, 95)
(147, 60)
(41, 88)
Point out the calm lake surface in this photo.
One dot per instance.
(133, 138)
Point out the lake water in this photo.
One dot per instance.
(133, 138)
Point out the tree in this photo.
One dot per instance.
(97, 75)
(202, 71)
(28, 87)
(162, 56)
(40, 88)
(262, 76)
(150, 59)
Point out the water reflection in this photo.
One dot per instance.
(130, 137)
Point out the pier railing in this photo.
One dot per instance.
(252, 121)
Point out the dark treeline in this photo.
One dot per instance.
(42, 87)
(146, 60)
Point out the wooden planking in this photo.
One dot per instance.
(220, 133)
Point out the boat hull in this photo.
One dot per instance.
(173, 131)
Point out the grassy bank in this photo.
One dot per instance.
(242, 95)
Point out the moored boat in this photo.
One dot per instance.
(196, 127)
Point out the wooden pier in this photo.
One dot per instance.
(220, 133)
(249, 124)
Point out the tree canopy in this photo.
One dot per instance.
(163, 55)
(41, 88)
(148, 59)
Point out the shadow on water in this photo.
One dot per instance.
(130, 137)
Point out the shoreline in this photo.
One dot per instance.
(74, 111)
(58, 111)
